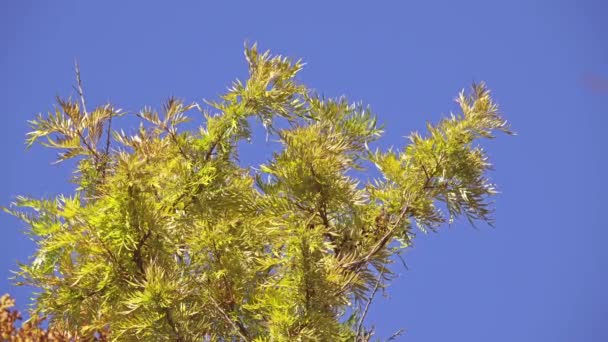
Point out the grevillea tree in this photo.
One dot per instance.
(168, 237)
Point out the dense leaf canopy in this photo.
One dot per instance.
(168, 237)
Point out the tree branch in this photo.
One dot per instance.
(79, 87)
(395, 335)
(106, 153)
(171, 322)
(369, 302)
(237, 326)
(354, 265)
(137, 253)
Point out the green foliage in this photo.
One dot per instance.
(168, 238)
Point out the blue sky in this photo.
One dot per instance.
(540, 275)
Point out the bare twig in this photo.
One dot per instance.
(89, 145)
(403, 261)
(395, 335)
(368, 304)
(79, 87)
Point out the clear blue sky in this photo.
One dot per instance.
(541, 275)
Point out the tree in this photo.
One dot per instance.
(167, 237)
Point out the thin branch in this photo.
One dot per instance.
(323, 214)
(171, 322)
(237, 326)
(79, 87)
(368, 304)
(137, 253)
(348, 282)
(214, 145)
(108, 133)
(80, 91)
(111, 255)
(211, 149)
(88, 146)
(106, 152)
(395, 335)
(176, 141)
(403, 261)
(354, 265)
(425, 172)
